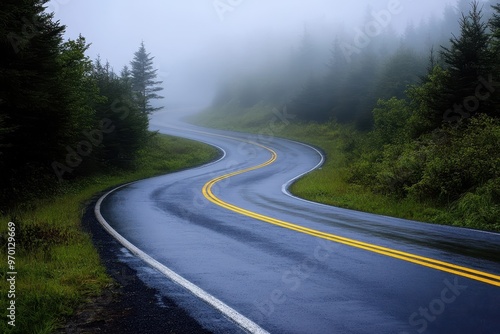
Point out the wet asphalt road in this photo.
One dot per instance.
(291, 282)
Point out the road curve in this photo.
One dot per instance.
(287, 265)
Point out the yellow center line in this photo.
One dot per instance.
(413, 258)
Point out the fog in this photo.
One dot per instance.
(198, 44)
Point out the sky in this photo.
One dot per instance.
(195, 42)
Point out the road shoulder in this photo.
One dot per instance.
(128, 305)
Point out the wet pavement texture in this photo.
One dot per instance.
(291, 282)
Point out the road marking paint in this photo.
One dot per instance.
(416, 259)
(242, 321)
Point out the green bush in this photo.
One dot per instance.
(466, 160)
(481, 207)
(391, 119)
(401, 168)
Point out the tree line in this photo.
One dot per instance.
(62, 115)
(421, 111)
(439, 143)
(322, 79)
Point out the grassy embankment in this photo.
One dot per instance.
(331, 184)
(57, 266)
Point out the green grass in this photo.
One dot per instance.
(57, 266)
(255, 118)
(330, 185)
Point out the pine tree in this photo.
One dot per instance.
(128, 125)
(335, 79)
(143, 80)
(468, 60)
(81, 89)
(126, 75)
(495, 28)
(34, 99)
(469, 55)
(404, 68)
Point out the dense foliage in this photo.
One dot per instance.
(426, 113)
(61, 115)
(441, 142)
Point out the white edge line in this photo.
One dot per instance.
(285, 189)
(226, 310)
(229, 312)
(224, 154)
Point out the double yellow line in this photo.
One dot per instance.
(421, 260)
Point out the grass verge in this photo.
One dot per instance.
(57, 266)
(330, 184)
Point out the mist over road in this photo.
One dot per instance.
(293, 266)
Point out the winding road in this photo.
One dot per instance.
(261, 260)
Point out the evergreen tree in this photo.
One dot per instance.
(82, 90)
(495, 28)
(449, 93)
(128, 125)
(495, 47)
(359, 92)
(335, 80)
(469, 54)
(404, 68)
(309, 104)
(34, 99)
(432, 62)
(126, 75)
(468, 60)
(306, 57)
(143, 80)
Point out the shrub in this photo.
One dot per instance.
(463, 163)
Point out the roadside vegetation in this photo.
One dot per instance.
(333, 184)
(58, 268)
(418, 143)
(64, 116)
(70, 128)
